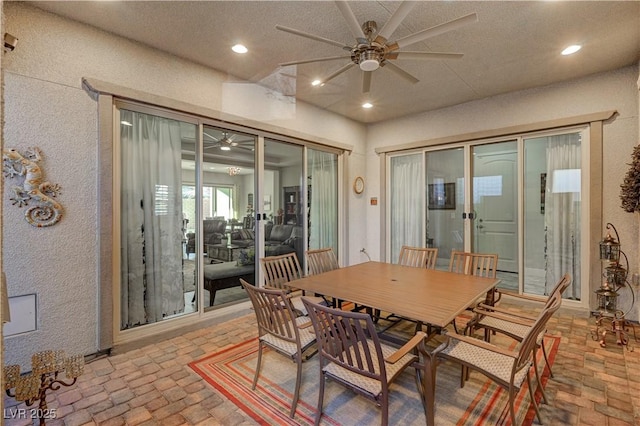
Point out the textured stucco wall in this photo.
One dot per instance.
(47, 107)
(57, 263)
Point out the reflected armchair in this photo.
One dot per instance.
(213, 232)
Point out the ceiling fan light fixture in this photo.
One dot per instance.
(225, 148)
(369, 61)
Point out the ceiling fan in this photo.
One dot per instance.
(226, 141)
(373, 49)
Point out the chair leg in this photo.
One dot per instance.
(296, 393)
(429, 388)
(384, 421)
(535, 368)
(546, 359)
(464, 375)
(320, 399)
(255, 378)
(512, 404)
(533, 399)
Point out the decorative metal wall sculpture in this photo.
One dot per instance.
(35, 189)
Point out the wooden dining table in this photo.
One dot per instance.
(431, 296)
(427, 295)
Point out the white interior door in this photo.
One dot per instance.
(495, 202)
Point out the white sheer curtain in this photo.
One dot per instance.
(406, 202)
(151, 219)
(562, 212)
(323, 215)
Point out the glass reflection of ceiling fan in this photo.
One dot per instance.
(226, 141)
(373, 50)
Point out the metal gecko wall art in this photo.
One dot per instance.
(46, 211)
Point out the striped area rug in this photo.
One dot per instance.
(480, 402)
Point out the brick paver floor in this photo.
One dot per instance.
(153, 385)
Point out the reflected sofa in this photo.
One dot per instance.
(279, 239)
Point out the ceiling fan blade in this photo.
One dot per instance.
(402, 73)
(366, 81)
(312, 37)
(424, 55)
(308, 61)
(433, 31)
(337, 72)
(352, 22)
(211, 137)
(394, 21)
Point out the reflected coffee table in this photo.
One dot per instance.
(223, 252)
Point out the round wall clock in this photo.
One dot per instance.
(358, 185)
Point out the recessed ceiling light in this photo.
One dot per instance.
(239, 48)
(571, 49)
(367, 105)
(316, 82)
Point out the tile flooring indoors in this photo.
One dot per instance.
(153, 385)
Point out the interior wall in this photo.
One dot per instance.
(46, 106)
(615, 90)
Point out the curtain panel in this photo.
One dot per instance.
(562, 213)
(322, 168)
(151, 219)
(406, 203)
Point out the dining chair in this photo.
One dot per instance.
(417, 257)
(351, 354)
(280, 329)
(279, 271)
(515, 324)
(478, 264)
(323, 260)
(507, 368)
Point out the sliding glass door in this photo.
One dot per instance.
(227, 220)
(445, 207)
(494, 225)
(199, 203)
(519, 198)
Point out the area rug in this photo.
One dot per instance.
(480, 402)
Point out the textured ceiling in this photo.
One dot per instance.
(513, 46)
